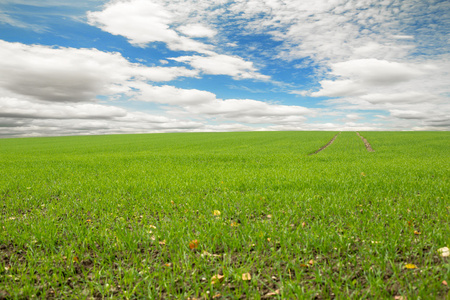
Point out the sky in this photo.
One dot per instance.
(91, 67)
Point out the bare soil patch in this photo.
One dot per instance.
(327, 145)
(366, 143)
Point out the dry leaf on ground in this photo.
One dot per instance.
(444, 252)
(274, 293)
(304, 265)
(206, 253)
(193, 244)
(217, 278)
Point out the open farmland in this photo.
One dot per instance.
(226, 215)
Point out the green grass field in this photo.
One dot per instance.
(167, 215)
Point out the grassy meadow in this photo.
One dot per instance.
(226, 216)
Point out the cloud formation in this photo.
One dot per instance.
(357, 77)
(143, 22)
(311, 65)
(216, 64)
(73, 75)
(55, 87)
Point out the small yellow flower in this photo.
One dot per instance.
(410, 266)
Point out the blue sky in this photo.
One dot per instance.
(141, 66)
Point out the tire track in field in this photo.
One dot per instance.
(366, 143)
(327, 145)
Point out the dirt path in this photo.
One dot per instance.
(366, 143)
(326, 146)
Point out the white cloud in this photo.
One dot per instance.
(403, 37)
(27, 118)
(140, 21)
(217, 64)
(407, 97)
(17, 108)
(197, 30)
(233, 108)
(72, 75)
(376, 72)
(171, 95)
(408, 114)
(415, 97)
(339, 88)
(326, 30)
(143, 22)
(205, 105)
(247, 111)
(161, 74)
(353, 117)
(357, 77)
(227, 128)
(65, 74)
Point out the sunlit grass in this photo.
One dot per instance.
(116, 216)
